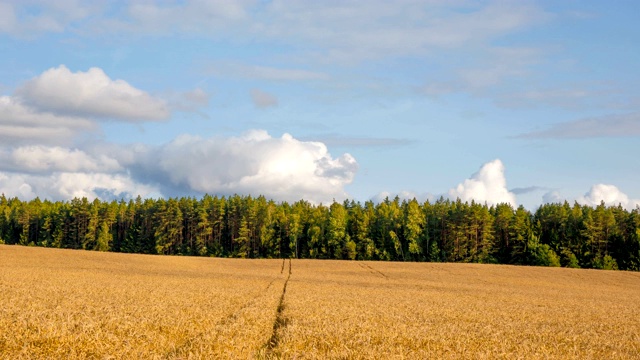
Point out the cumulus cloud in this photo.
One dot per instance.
(487, 185)
(90, 94)
(255, 163)
(263, 99)
(61, 173)
(610, 195)
(16, 185)
(67, 185)
(21, 124)
(46, 159)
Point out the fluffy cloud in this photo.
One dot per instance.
(609, 194)
(15, 185)
(262, 99)
(67, 185)
(90, 94)
(487, 185)
(60, 173)
(46, 159)
(59, 106)
(22, 124)
(255, 163)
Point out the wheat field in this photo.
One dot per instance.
(88, 305)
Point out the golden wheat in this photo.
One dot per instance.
(398, 310)
(80, 304)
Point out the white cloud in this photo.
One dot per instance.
(487, 185)
(67, 185)
(58, 106)
(60, 173)
(91, 93)
(255, 163)
(609, 194)
(16, 185)
(22, 124)
(263, 99)
(45, 159)
(91, 185)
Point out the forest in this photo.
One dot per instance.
(578, 236)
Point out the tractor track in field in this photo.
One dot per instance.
(373, 271)
(227, 320)
(280, 322)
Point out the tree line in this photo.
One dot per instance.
(603, 237)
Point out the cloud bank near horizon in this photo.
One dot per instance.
(284, 169)
(489, 186)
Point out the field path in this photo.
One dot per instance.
(372, 270)
(280, 321)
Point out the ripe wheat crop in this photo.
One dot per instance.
(80, 304)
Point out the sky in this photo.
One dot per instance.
(524, 102)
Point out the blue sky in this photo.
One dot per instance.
(497, 101)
